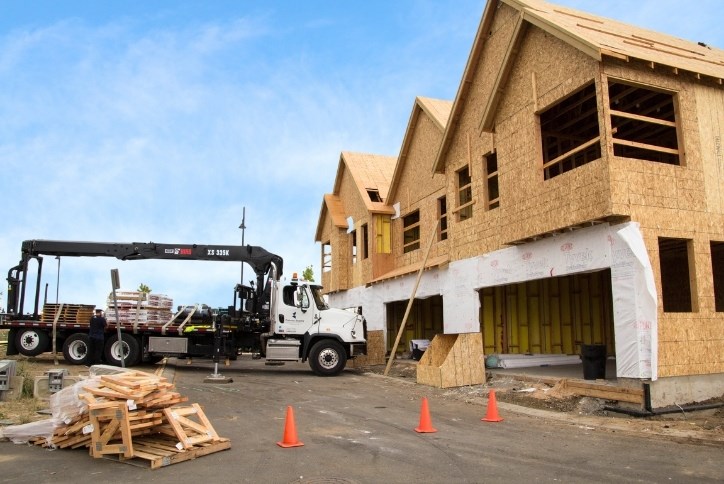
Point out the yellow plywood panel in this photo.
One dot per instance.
(534, 315)
(487, 320)
(524, 329)
(555, 325)
(512, 320)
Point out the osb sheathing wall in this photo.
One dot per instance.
(481, 233)
(668, 201)
(683, 202)
(545, 71)
(419, 190)
(335, 279)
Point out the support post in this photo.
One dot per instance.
(412, 298)
(116, 284)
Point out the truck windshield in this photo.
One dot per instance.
(318, 298)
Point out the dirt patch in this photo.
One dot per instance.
(27, 408)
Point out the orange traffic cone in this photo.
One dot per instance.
(290, 431)
(425, 421)
(492, 415)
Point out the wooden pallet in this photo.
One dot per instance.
(162, 450)
(190, 432)
(67, 313)
(107, 419)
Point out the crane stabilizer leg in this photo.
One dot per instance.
(217, 377)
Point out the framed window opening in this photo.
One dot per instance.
(717, 272)
(411, 232)
(326, 257)
(464, 187)
(570, 132)
(643, 123)
(492, 194)
(442, 217)
(365, 242)
(353, 243)
(374, 195)
(675, 258)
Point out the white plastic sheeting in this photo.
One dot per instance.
(527, 361)
(620, 247)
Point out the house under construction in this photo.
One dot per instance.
(571, 194)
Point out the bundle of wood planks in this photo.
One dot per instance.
(136, 416)
(67, 313)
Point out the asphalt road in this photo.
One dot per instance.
(358, 428)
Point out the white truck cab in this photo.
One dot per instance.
(304, 327)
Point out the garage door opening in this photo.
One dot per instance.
(424, 322)
(548, 316)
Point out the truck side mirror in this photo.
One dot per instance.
(302, 300)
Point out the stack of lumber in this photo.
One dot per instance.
(67, 313)
(135, 307)
(134, 416)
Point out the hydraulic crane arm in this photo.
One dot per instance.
(258, 258)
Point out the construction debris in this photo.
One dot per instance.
(129, 416)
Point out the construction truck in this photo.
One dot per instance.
(271, 319)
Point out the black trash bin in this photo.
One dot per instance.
(594, 361)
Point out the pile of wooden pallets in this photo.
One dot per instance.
(67, 313)
(136, 416)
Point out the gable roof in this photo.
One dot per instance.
(369, 172)
(599, 37)
(438, 111)
(593, 35)
(332, 204)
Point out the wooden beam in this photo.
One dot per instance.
(464, 205)
(572, 152)
(607, 392)
(615, 55)
(645, 146)
(647, 119)
(412, 299)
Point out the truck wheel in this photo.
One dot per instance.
(131, 350)
(75, 349)
(31, 342)
(327, 357)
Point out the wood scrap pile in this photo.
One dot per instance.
(135, 415)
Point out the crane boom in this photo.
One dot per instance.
(258, 258)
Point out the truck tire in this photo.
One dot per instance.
(131, 348)
(31, 341)
(75, 349)
(327, 357)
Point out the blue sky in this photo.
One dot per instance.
(159, 121)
